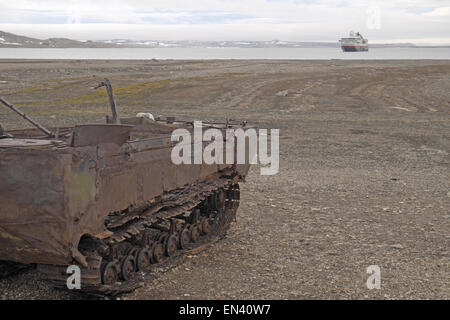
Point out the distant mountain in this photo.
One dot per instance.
(217, 44)
(12, 40)
(9, 40)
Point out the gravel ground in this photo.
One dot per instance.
(364, 176)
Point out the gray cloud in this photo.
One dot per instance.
(320, 20)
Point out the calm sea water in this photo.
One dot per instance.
(223, 53)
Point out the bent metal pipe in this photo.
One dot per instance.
(23, 115)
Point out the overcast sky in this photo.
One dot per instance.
(418, 21)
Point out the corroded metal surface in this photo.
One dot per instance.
(88, 135)
(98, 188)
(52, 194)
(25, 143)
(108, 197)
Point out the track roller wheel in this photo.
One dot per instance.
(149, 247)
(132, 251)
(109, 273)
(142, 259)
(163, 237)
(157, 252)
(205, 225)
(217, 201)
(171, 245)
(195, 233)
(128, 266)
(184, 237)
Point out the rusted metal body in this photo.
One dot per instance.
(109, 198)
(54, 191)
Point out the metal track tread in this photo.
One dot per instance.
(215, 201)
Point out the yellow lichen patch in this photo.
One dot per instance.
(70, 111)
(54, 85)
(128, 92)
(70, 96)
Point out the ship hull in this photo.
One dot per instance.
(348, 48)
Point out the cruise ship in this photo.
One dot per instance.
(355, 42)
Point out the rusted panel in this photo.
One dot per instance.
(148, 165)
(51, 194)
(94, 134)
(81, 190)
(149, 143)
(187, 173)
(33, 217)
(24, 143)
(118, 189)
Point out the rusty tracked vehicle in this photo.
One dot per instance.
(108, 198)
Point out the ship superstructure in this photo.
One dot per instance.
(355, 42)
